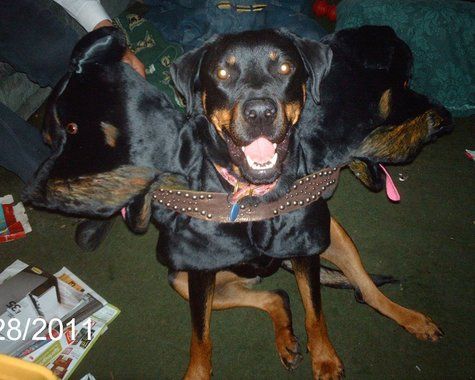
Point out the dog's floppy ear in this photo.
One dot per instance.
(139, 212)
(185, 73)
(368, 173)
(102, 46)
(317, 59)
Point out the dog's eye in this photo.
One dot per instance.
(222, 74)
(72, 128)
(285, 68)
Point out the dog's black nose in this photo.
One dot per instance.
(259, 111)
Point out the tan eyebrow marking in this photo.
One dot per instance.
(203, 100)
(273, 55)
(231, 59)
(385, 104)
(111, 133)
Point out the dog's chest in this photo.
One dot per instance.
(187, 243)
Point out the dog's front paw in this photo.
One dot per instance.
(422, 327)
(326, 365)
(198, 373)
(327, 368)
(289, 350)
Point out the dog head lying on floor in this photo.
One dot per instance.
(368, 115)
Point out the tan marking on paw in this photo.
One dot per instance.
(422, 327)
(327, 368)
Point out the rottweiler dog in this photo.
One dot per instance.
(238, 185)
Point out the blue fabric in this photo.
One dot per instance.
(441, 35)
(34, 41)
(22, 149)
(191, 23)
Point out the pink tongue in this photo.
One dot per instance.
(260, 150)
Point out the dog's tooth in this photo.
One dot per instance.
(243, 149)
(250, 162)
(274, 145)
(267, 165)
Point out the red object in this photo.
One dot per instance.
(15, 231)
(8, 214)
(13, 220)
(320, 8)
(331, 13)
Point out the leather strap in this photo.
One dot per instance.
(215, 207)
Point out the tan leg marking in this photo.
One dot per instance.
(233, 291)
(343, 253)
(325, 362)
(199, 367)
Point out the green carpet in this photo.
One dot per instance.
(427, 240)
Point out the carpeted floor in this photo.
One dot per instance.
(427, 241)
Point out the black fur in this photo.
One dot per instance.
(366, 62)
(91, 232)
(117, 138)
(345, 78)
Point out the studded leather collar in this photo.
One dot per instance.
(215, 207)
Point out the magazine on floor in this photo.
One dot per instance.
(52, 320)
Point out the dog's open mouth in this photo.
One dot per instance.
(260, 161)
(261, 154)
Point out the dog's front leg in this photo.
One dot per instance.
(201, 288)
(325, 362)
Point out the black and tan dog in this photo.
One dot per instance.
(239, 185)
